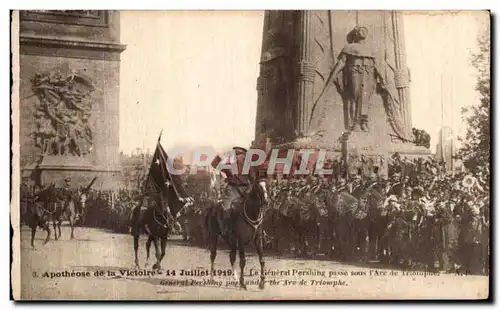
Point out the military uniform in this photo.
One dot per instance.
(398, 232)
(67, 193)
(444, 218)
(238, 186)
(396, 189)
(373, 184)
(427, 234)
(357, 188)
(472, 227)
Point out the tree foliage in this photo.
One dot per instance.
(475, 150)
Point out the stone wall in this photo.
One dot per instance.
(84, 43)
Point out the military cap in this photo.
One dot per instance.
(239, 150)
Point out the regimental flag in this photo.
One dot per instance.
(162, 181)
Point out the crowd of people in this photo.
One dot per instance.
(423, 216)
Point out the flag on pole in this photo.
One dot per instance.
(169, 185)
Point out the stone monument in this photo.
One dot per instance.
(69, 96)
(336, 80)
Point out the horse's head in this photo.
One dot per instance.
(83, 199)
(259, 191)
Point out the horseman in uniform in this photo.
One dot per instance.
(239, 186)
(26, 190)
(67, 192)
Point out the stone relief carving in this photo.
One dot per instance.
(357, 76)
(62, 113)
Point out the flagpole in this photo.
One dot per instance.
(149, 171)
(159, 137)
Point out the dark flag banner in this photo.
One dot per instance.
(170, 185)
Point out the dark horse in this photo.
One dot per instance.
(155, 221)
(245, 227)
(38, 212)
(50, 205)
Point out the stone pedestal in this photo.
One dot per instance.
(82, 47)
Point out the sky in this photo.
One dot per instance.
(180, 68)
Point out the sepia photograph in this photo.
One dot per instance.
(250, 155)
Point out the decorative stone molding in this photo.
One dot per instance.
(51, 47)
(75, 17)
(401, 78)
(307, 71)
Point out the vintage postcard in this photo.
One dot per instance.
(250, 155)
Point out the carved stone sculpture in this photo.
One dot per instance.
(360, 79)
(62, 113)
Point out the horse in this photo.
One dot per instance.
(245, 228)
(38, 212)
(375, 225)
(156, 222)
(67, 208)
(342, 207)
(326, 199)
(23, 210)
(301, 216)
(192, 219)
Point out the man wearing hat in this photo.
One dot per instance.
(342, 185)
(357, 186)
(396, 186)
(238, 185)
(372, 183)
(67, 192)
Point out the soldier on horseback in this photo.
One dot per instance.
(238, 187)
(66, 192)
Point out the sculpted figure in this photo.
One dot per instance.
(357, 76)
(62, 114)
(360, 77)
